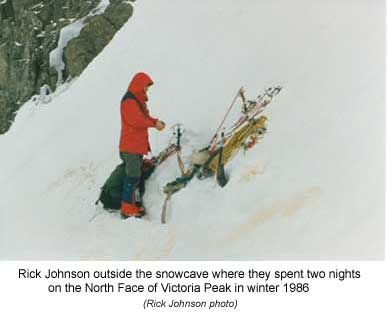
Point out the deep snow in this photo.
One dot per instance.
(312, 189)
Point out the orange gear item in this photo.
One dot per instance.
(252, 142)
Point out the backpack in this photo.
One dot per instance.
(111, 190)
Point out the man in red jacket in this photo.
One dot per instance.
(134, 143)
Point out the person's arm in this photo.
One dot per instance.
(133, 116)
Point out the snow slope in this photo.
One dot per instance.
(312, 189)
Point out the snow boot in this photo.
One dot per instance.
(129, 210)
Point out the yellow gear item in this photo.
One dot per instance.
(233, 144)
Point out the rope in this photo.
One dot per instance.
(224, 119)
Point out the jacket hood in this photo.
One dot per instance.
(138, 84)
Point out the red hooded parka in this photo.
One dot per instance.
(135, 118)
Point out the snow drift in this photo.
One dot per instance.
(312, 189)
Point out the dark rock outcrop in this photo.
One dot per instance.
(98, 31)
(30, 30)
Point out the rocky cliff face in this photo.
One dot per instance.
(30, 30)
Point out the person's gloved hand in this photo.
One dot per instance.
(160, 125)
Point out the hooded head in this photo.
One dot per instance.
(138, 84)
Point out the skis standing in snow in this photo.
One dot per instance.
(225, 144)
